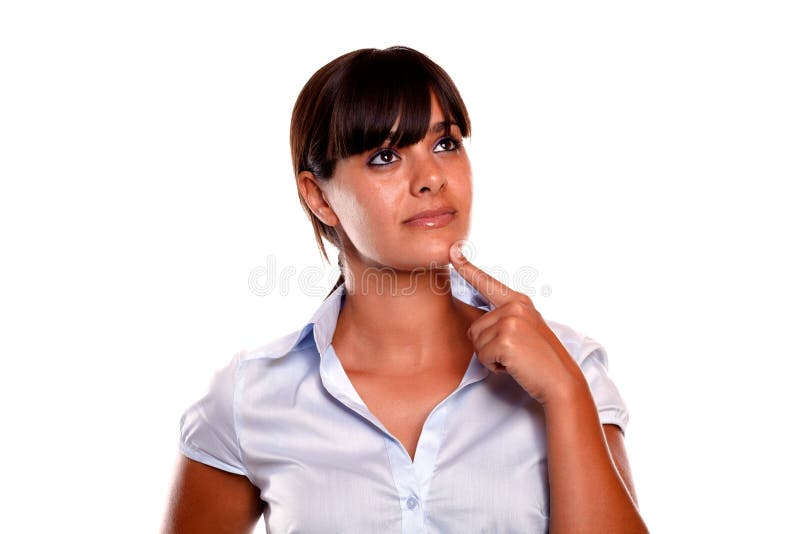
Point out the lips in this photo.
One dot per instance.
(432, 219)
(431, 214)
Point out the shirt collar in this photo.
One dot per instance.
(323, 323)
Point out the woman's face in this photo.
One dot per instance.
(374, 194)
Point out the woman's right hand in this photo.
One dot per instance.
(205, 499)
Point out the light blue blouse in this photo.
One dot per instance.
(286, 416)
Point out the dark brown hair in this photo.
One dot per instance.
(350, 105)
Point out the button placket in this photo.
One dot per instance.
(408, 490)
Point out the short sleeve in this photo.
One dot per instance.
(611, 408)
(593, 361)
(208, 432)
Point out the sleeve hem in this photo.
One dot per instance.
(207, 459)
(613, 417)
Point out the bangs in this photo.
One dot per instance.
(387, 87)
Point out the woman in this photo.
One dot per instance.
(419, 397)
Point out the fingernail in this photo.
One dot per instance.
(457, 252)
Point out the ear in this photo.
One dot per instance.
(310, 190)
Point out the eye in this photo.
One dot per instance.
(384, 157)
(447, 144)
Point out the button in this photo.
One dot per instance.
(411, 502)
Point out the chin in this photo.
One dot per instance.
(435, 257)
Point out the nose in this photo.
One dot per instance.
(429, 177)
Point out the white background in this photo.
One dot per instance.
(641, 157)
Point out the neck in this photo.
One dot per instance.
(403, 321)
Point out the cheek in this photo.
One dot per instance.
(461, 188)
(369, 213)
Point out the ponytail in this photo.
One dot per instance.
(340, 281)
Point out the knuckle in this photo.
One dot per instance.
(504, 342)
(510, 321)
(519, 305)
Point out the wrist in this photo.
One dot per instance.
(569, 389)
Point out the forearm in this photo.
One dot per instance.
(586, 492)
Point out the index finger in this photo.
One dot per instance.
(496, 292)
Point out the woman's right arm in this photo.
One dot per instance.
(205, 499)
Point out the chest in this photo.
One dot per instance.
(323, 467)
(402, 404)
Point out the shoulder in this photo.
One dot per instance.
(272, 350)
(578, 344)
(281, 346)
(284, 361)
(231, 378)
(228, 377)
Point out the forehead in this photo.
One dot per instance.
(437, 118)
(394, 115)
